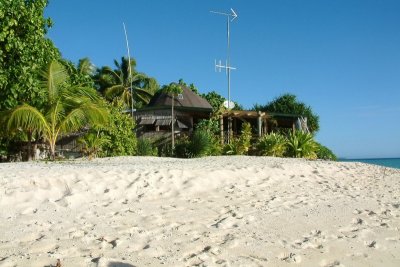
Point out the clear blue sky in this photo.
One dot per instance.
(340, 57)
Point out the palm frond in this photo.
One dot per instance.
(115, 74)
(142, 95)
(114, 91)
(53, 79)
(86, 67)
(73, 121)
(27, 117)
(56, 113)
(87, 113)
(81, 91)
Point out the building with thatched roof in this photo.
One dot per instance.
(156, 118)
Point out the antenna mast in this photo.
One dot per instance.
(130, 68)
(230, 17)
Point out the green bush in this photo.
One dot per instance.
(182, 147)
(232, 148)
(301, 145)
(216, 147)
(145, 148)
(240, 145)
(325, 153)
(200, 144)
(93, 143)
(273, 144)
(209, 125)
(120, 132)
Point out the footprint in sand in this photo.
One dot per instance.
(334, 263)
(370, 243)
(289, 257)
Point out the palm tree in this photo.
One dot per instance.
(85, 67)
(117, 84)
(68, 108)
(173, 90)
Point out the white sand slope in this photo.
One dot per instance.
(217, 211)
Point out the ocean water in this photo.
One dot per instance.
(391, 162)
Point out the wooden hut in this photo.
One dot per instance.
(155, 120)
(261, 122)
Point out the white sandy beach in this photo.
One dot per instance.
(216, 211)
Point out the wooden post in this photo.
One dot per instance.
(259, 124)
(172, 123)
(266, 126)
(230, 135)
(221, 128)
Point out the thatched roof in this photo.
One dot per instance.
(190, 100)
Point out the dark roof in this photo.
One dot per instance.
(190, 100)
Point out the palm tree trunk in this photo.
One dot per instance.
(29, 145)
(172, 124)
(52, 149)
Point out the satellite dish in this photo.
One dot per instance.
(229, 104)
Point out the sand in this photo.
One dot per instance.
(216, 211)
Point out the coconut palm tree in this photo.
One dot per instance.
(116, 84)
(173, 89)
(85, 67)
(67, 109)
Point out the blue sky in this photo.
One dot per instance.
(340, 57)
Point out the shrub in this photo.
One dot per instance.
(120, 132)
(182, 147)
(200, 144)
(240, 145)
(211, 126)
(92, 143)
(325, 153)
(216, 147)
(301, 145)
(145, 147)
(273, 144)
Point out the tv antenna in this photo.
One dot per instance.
(230, 17)
(228, 104)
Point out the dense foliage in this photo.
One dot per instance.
(24, 52)
(145, 147)
(325, 153)
(240, 145)
(201, 143)
(273, 144)
(124, 84)
(288, 104)
(296, 144)
(301, 145)
(67, 109)
(120, 132)
(93, 142)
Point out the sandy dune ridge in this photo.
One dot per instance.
(215, 211)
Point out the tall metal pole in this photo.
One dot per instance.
(228, 64)
(130, 68)
(230, 17)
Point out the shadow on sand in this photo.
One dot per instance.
(119, 264)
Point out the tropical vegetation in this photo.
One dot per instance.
(24, 52)
(124, 84)
(288, 104)
(68, 108)
(273, 144)
(45, 98)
